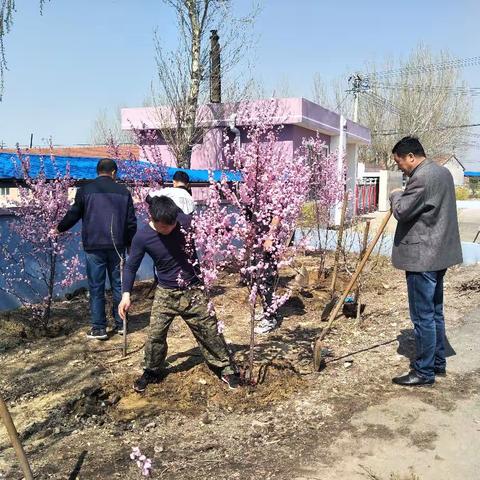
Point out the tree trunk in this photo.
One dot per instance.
(249, 375)
(51, 283)
(194, 91)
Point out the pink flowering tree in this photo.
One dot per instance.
(142, 177)
(326, 191)
(250, 226)
(36, 263)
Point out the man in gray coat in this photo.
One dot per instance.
(426, 243)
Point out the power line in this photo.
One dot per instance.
(416, 70)
(384, 103)
(446, 127)
(472, 91)
(341, 102)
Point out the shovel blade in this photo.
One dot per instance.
(328, 308)
(318, 357)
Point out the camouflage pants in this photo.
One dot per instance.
(191, 305)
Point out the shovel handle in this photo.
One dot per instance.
(17, 446)
(355, 276)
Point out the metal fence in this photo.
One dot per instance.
(366, 195)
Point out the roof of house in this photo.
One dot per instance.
(85, 168)
(100, 151)
(284, 111)
(443, 159)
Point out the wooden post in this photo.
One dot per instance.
(125, 320)
(317, 357)
(121, 256)
(362, 253)
(17, 446)
(339, 243)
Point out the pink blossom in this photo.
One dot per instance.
(34, 263)
(145, 464)
(142, 177)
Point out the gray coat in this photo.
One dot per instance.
(427, 237)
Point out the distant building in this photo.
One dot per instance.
(225, 123)
(454, 166)
(9, 193)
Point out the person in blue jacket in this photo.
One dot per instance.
(108, 227)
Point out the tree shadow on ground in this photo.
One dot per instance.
(293, 306)
(138, 321)
(296, 342)
(78, 466)
(194, 357)
(218, 290)
(294, 345)
(406, 345)
(284, 280)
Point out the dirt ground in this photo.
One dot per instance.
(78, 417)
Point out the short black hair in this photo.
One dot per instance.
(181, 176)
(409, 145)
(106, 165)
(163, 209)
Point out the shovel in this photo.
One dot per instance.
(14, 438)
(318, 360)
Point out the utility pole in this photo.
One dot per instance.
(359, 84)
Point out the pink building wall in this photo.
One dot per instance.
(298, 117)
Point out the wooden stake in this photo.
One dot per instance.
(362, 253)
(339, 243)
(14, 438)
(125, 320)
(333, 315)
(121, 256)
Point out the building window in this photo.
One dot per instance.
(4, 191)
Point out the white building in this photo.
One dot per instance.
(454, 166)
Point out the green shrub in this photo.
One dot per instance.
(474, 185)
(462, 193)
(309, 215)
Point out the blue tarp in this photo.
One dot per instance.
(84, 168)
(471, 174)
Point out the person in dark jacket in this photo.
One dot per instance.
(426, 243)
(179, 292)
(108, 227)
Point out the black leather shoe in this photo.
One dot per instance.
(440, 372)
(412, 379)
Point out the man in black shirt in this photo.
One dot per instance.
(179, 292)
(108, 226)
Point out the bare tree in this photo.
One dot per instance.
(283, 87)
(418, 99)
(333, 95)
(183, 72)
(107, 128)
(412, 97)
(322, 94)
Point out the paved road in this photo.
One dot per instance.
(468, 218)
(469, 223)
(433, 433)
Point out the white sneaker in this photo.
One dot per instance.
(267, 325)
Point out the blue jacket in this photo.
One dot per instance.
(106, 210)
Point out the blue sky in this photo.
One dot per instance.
(80, 57)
